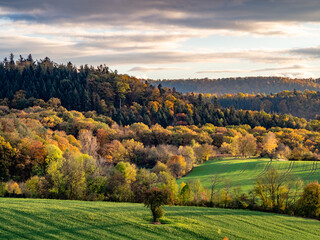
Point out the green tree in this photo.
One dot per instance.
(309, 203)
(7, 152)
(155, 199)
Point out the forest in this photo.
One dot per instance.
(250, 85)
(92, 134)
(122, 98)
(301, 104)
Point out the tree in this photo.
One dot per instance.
(283, 151)
(122, 87)
(270, 143)
(160, 167)
(88, 142)
(145, 180)
(177, 165)
(53, 153)
(155, 199)
(13, 188)
(203, 152)
(128, 171)
(215, 181)
(247, 145)
(188, 153)
(7, 152)
(309, 202)
(185, 194)
(272, 188)
(301, 153)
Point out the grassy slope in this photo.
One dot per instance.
(56, 219)
(244, 172)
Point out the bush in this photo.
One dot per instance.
(309, 203)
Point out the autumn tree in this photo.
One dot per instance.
(272, 189)
(13, 188)
(177, 165)
(203, 152)
(188, 153)
(270, 144)
(247, 145)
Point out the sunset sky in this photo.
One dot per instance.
(169, 38)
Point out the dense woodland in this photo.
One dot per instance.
(50, 152)
(251, 85)
(93, 134)
(301, 104)
(124, 99)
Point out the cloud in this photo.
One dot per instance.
(144, 32)
(224, 71)
(152, 69)
(172, 57)
(299, 75)
(285, 68)
(246, 15)
(312, 52)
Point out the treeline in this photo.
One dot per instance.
(249, 85)
(123, 99)
(301, 104)
(49, 152)
(33, 138)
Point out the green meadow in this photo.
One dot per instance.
(244, 172)
(63, 219)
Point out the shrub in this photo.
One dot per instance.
(309, 203)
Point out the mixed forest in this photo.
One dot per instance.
(92, 134)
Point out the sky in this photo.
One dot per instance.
(169, 39)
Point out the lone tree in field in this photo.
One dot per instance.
(155, 199)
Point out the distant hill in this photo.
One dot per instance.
(245, 85)
(301, 104)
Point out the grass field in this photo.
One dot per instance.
(57, 219)
(244, 172)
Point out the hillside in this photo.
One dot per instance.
(296, 103)
(56, 219)
(234, 85)
(124, 99)
(244, 172)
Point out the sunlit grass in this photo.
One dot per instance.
(57, 219)
(244, 172)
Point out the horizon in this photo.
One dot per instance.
(169, 40)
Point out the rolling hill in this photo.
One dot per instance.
(244, 172)
(61, 219)
(234, 85)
